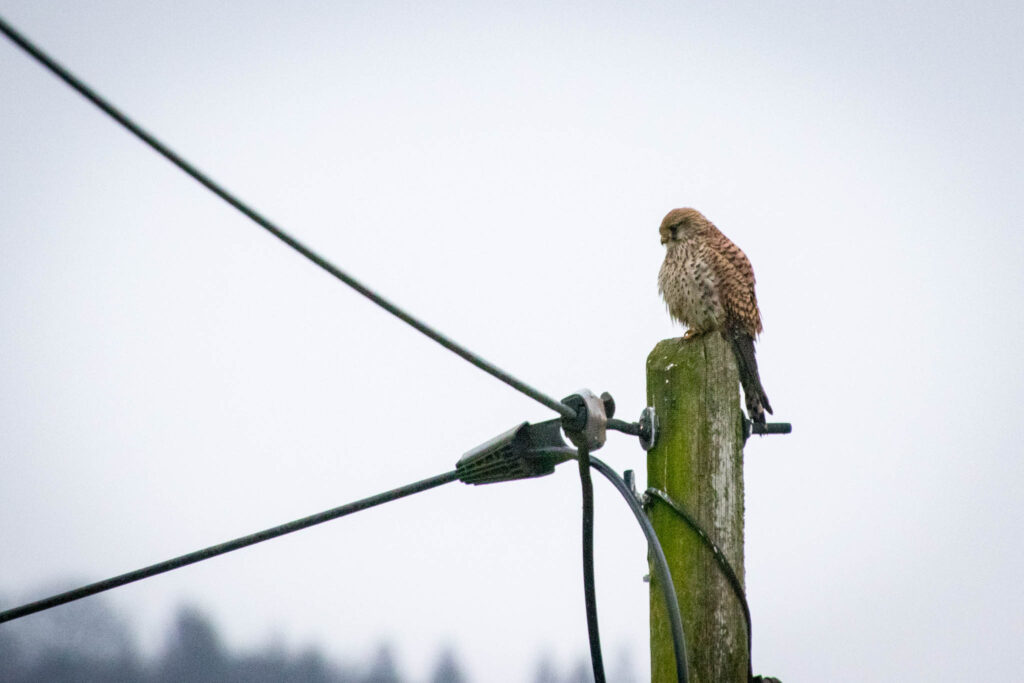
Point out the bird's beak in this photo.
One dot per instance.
(663, 240)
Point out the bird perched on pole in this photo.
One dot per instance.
(708, 284)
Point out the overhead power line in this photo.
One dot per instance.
(227, 547)
(162, 149)
(523, 452)
(567, 413)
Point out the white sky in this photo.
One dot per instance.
(171, 376)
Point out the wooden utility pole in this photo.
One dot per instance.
(698, 461)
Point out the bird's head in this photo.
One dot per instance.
(679, 224)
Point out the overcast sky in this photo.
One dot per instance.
(171, 376)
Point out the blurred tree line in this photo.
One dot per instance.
(88, 642)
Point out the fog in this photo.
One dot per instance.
(90, 641)
(171, 376)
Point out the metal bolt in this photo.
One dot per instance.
(609, 404)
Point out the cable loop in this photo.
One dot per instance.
(660, 566)
(652, 494)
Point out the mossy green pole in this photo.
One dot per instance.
(698, 460)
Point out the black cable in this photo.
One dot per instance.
(228, 546)
(589, 589)
(273, 229)
(720, 558)
(661, 570)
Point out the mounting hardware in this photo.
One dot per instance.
(629, 477)
(648, 428)
(587, 429)
(609, 404)
(761, 429)
(522, 452)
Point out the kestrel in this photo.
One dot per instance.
(708, 285)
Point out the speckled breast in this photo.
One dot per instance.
(687, 283)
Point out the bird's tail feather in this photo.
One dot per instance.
(753, 392)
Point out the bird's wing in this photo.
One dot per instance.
(735, 276)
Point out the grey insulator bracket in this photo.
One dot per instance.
(587, 429)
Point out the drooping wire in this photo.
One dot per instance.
(562, 409)
(589, 586)
(720, 558)
(272, 228)
(661, 570)
(228, 546)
